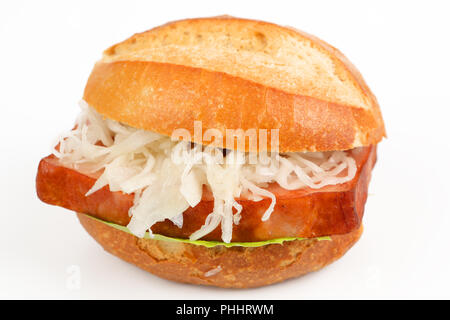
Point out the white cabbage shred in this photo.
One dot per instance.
(167, 177)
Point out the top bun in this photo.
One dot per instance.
(232, 73)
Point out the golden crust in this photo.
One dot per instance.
(234, 267)
(163, 96)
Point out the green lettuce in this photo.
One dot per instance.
(209, 244)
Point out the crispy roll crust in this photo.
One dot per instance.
(234, 267)
(232, 73)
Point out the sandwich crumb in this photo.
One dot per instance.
(213, 272)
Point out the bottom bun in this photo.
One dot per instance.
(234, 267)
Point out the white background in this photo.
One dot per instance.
(47, 50)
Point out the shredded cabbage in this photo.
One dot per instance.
(168, 176)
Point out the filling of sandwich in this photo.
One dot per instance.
(167, 177)
(209, 243)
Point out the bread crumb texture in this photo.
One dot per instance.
(275, 56)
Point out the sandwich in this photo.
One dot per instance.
(219, 151)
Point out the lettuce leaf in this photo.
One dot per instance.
(208, 244)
